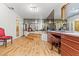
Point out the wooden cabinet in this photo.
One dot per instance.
(69, 45)
(55, 40)
(50, 38)
(53, 37)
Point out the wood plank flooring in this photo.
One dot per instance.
(32, 45)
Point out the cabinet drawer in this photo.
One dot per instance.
(70, 50)
(71, 43)
(70, 37)
(50, 40)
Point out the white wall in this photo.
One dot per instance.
(8, 20)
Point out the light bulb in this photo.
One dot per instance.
(50, 22)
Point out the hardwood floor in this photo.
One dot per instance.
(31, 45)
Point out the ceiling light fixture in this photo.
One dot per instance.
(11, 8)
(34, 9)
(50, 21)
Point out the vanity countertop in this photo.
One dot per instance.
(67, 33)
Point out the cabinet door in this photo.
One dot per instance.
(49, 38)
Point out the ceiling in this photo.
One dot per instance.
(44, 9)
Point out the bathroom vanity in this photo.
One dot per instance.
(69, 42)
